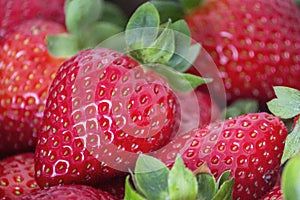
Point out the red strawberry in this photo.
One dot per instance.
(102, 109)
(70, 192)
(274, 194)
(254, 44)
(17, 176)
(249, 145)
(26, 72)
(14, 12)
(115, 186)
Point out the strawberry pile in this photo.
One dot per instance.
(186, 99)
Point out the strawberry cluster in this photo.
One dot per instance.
(186, 99)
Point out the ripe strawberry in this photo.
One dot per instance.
(254, 44)
(26, 72)
(114, 186)
(15, 12)
(103, 109)
(74, 192)
(17, 176)
(249, 145)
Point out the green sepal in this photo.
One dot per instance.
(291, 179)
(151, 178)
(81, 14)
(182, 182)
(182, 82)
(287, 103)
(113, 14)
(168, 10)
(63, 45)
(225, 191)
(207, 186)
(130, 193)
(223, 178)
(142, 27)
(161, 50)
(240, 107)
(185, 54)
(292, 144)
(97, 33)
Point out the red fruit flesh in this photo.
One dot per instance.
(69, 192)
(26, 72)
(13, 12)
(255, 45)
(250, 146)
(17, 176)
(103, 109)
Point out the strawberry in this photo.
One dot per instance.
(274, 194)
(114, 186)
(17, 176)
(254, 44)
(26, 72)
(13, 13)
(250, 145)
(74, 192)
(105, 107)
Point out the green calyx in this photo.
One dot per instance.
(166, 46)
(153, 180)
(88, 23)
(287, 105)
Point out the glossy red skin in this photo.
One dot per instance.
(89, 99)
(255, 45)
(17, 176)
(13, 12)
(26, 72)
(69, 192)
(250, 146)
(274, 194)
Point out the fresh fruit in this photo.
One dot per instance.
(104, 107)
(74, 192)
(253, 43)
(274, 194)
(114, 186)
(26, 72)
(249, 145)
(17, 176)
(14, 12)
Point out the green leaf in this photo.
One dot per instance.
(113, 14)
(207, 187)
(182, 182)
(287, 103)
(142, 27)
(162, 49)
(190, 4)
(223, 178)
(184, 54)
(81, 14)
(180, 81)
(225, 191)
(240, 107)
(291, 179)
(97, 33)
(63, 45)
(130, 193)
(292, 144)
(168, 10)
(151, 178)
